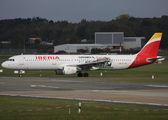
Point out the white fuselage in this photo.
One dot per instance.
(53, 62)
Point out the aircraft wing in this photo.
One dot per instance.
(90, 65)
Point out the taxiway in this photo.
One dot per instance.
(86, 89)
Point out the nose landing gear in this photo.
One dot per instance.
(20, 74)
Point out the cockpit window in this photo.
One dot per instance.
(10, 60)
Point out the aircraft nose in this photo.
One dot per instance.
(4, 65)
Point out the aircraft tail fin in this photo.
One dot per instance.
(152, 46)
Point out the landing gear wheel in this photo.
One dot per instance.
(86, 74)
(80, 74)
(20, 75)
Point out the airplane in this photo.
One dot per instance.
(72, 64)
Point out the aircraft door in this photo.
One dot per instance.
(111, 62)
(53, 62)
(21, 62)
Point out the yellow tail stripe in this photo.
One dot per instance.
(156, 35)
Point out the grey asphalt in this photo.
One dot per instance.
(86, 89)
(53, 84)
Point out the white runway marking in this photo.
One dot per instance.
(20, 110)
(107, 91)
(68, 105)
(58, 107)
(65, 80)
(44, 86)
(29, 110)
(157, 85)
(10, 77)
(6, 77)
(97, 106)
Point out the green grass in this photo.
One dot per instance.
(25, 108)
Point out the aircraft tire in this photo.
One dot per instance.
(86, 74)
(80, 74)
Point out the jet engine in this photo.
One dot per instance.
(66, 71)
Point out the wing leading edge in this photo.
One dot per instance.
(90, 66)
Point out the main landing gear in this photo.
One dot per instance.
(84, 75)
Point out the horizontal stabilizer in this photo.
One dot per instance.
(159, 58)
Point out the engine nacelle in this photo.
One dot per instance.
(66, 71)
(70, 70)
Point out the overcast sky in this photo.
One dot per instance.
(76, 10)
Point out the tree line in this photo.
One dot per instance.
(19, 30)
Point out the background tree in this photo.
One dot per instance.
(15, 30)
